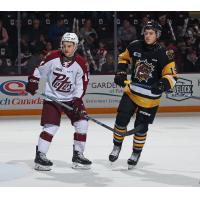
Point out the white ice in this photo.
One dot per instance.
(171, 156)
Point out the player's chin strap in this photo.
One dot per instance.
(131, 132)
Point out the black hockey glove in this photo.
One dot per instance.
(160, 87)
(120, 77)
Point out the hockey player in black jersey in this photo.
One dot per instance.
(152, 73)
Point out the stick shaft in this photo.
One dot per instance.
(86, 116)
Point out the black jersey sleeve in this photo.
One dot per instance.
(168, 67)
(125, 58)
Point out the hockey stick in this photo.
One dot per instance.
(194, 97)
(131, 132)
(171, 29)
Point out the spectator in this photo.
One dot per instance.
(34, 61)
(192, 62)
(108, 67)
(36, 36)
(48, 47)
(190, 41)
(89, 50)
(13, 39)
(101, 54)
(25, 56)
(3, 35)
(166, 33)
(24, 43)
(181, 54)
(127, 32)
(145, 19)
(56, 31)
(35, 32)
(6, 66)
(87, 30)
(162, 43)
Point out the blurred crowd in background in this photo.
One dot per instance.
(41, 32)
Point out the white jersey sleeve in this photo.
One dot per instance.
(43, 69)
(81, 81)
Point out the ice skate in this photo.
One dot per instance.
(79, 161)
(114, 154)
(133, 160)
(41, 161)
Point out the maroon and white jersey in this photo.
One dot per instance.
(64, 80)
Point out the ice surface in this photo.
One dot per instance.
(171, 156)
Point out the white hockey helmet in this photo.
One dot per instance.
(69, 37)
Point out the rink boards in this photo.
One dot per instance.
(102, 96)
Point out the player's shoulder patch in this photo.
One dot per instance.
(170, 54)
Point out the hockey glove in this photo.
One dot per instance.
(78, 107)
(160, 87)
(32, 85)
(120, 77)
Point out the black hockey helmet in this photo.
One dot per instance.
(153, 26)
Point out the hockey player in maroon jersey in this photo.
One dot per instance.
(66, 80)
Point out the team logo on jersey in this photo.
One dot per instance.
(137, 54)
(61, 83)
(143, 70)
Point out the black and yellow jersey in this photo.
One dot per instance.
(148, 65)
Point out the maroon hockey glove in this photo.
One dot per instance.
(120, 77)
(32, 84)
(78, 107)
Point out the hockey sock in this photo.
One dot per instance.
(138, 142)
(44, 142)
(117, 139)
(49, 130)
(79, 141)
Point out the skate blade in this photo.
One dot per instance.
(112, 164)
(39, 167)
(130, 167)
(80, 166)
